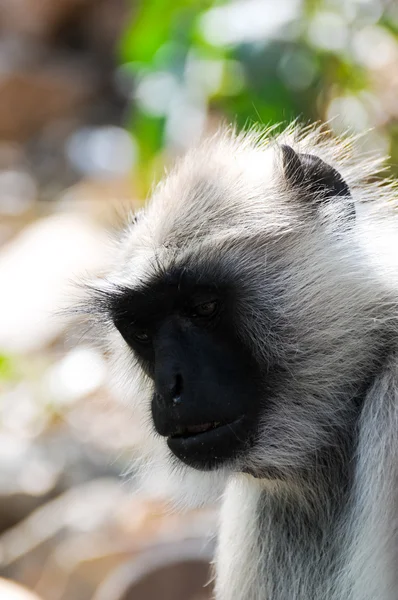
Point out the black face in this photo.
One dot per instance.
(206, 383)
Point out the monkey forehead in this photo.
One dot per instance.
(231, 179)
(228, 195)
(212, 261)
(211, 196)
(212, 189)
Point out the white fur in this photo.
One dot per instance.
(331, 290)
(368, 528)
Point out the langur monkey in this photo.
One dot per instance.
(255, 299)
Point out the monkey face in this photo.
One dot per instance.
(206, 385)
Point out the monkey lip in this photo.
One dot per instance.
(209, 444)
(192, 430)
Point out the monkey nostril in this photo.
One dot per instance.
(170, 392)
(177, 390)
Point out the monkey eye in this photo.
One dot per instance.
(141, 336)
(205, 310)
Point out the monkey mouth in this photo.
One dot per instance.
(191, 430)
(207, 445)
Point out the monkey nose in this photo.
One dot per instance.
(171, 392)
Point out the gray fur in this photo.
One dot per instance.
(310, 512)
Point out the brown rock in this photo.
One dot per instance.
(105, 21)
(176, 571)
(36, 17)
(29, 100)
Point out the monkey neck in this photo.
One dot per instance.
(295, 535)
(327, 536)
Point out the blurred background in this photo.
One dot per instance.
(96, 97)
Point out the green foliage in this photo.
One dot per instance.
(8, 369)
(155, 23)
(286, 74)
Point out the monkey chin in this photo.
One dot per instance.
(215, 446)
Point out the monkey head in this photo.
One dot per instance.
(238, 299)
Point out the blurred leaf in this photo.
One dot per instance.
(259, 80)
(155, 23)
(148, 131)
(8, 369)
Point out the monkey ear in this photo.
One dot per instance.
(314, 176)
